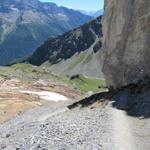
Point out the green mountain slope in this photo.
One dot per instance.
(75, 52)
(25, 24)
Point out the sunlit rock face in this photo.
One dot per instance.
(125, 55)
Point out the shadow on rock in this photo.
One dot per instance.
(88, 101)
(134, 99)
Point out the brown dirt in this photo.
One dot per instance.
(13, 103)
(11, 108)
(61, 89)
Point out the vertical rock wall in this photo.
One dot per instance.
(125, 55)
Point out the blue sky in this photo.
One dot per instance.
(88, 5)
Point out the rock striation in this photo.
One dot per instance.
(126, 42)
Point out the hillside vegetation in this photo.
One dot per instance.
(75, 52)
(26, 24)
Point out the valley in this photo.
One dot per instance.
(26, 24)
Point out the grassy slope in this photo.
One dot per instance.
(88, 84)
(77, 61)
(29, 73)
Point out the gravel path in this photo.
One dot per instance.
(91, 128)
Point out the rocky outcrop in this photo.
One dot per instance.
(126, 42)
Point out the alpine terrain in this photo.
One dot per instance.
(57, 98)
(75, 52)
(25, 24)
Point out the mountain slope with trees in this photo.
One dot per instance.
(25, 24)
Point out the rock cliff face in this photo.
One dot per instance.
(126, 43)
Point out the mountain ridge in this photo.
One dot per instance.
(72, 52)
(24, 25)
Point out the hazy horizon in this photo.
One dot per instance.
(86, 5)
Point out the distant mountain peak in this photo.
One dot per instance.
(93, 13)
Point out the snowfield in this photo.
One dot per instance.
(50, 96)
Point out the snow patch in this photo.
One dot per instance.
(50, 96)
